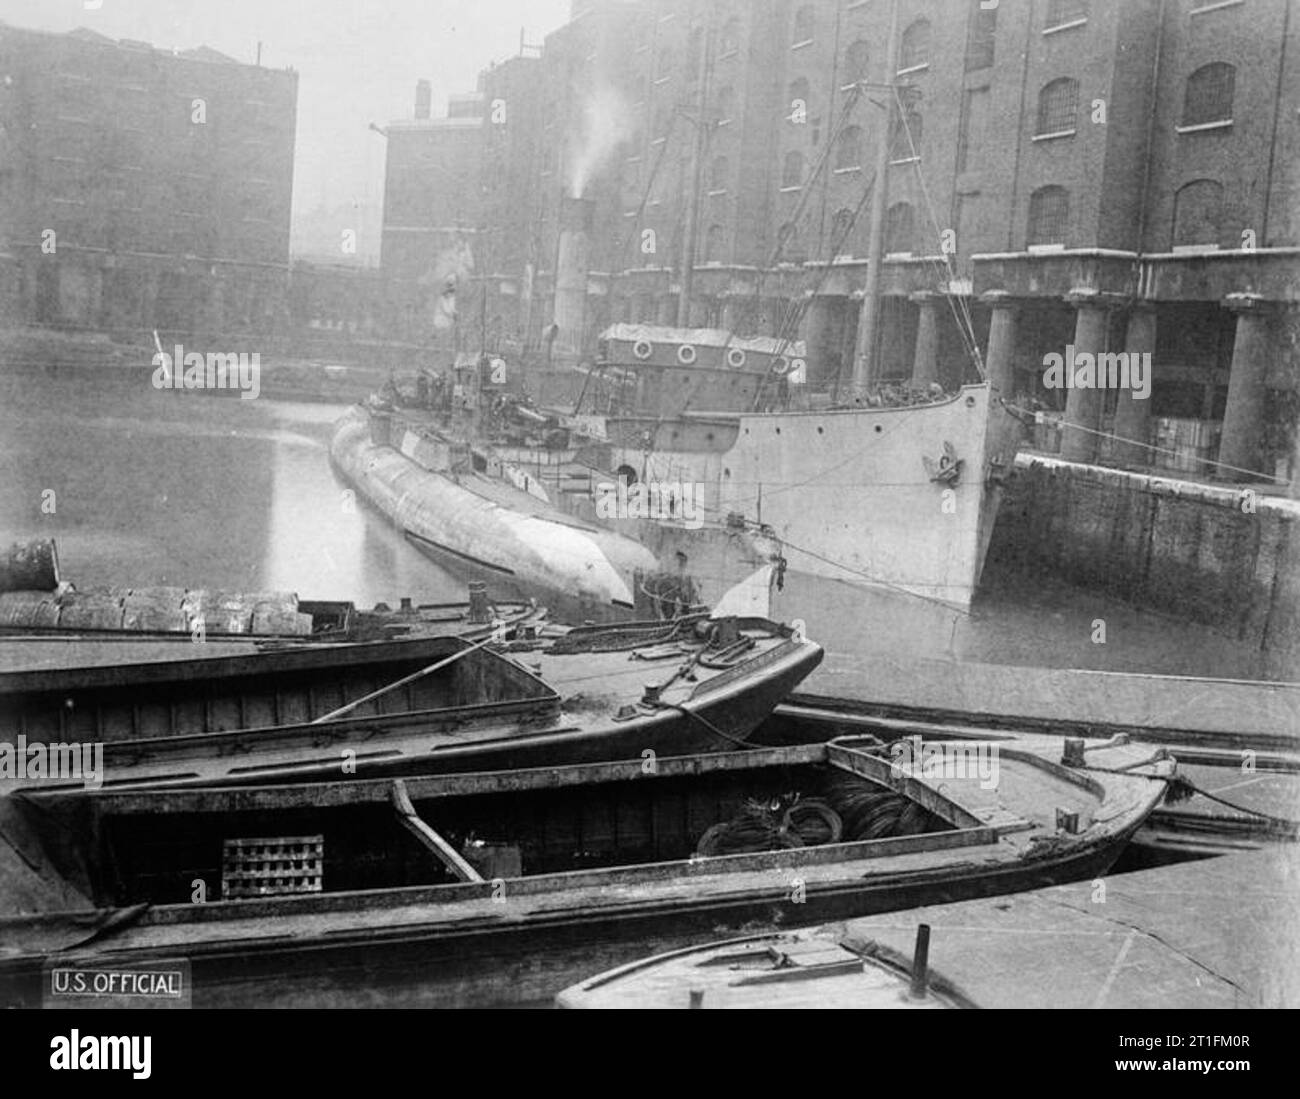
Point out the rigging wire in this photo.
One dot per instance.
(1146, 446)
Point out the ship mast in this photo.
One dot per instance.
(697, 177)
(865, 370)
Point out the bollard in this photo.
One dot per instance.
(479, 611)
(921, 963)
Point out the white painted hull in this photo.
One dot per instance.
(588, 573)
(848, 494)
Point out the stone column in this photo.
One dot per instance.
(1133, 416)
(1083, 406)
(925, 361)
(821, 336)
(1243, 419)
(999, 362)
(1295, 464)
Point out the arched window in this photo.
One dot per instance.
(1198, 213)
(1058, 107)
(725, 103)
(719, 174)
(848, 148)
(1209, 94)
(730, 39)
(792, 171)
(1049, 216)
(857, 59)
(915, 50)
(714, 244)
(842, 232)
(805, 21)
(900, 228)
(664, 63)
(1060, 12)
(981, 42)
(787, 239)
(905, 143)
(797, 100)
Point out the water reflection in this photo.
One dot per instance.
(155, 487)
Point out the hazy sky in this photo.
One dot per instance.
(357, 62)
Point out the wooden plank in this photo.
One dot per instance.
(372, 791)
(445, 853)
(1216, 713)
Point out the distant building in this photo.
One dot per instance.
(141, 188)
(432, 205)
(1115, 175)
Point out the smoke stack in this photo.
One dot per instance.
(423, 99)
(571, 268)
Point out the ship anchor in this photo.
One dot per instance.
(947, 470)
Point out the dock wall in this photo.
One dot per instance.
(1219, 556)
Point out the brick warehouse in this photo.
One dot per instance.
(1105, 174)
(140, 187)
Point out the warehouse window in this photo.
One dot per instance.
(720, 174)
(1058, 108)
(915, 50)
(856, 61)
(725, 104)
(905, 143)
(730, 37)
(1198, 214)
(1210, 91)
(797, 100)
(790, 249)
(805, 19)
(1064, 13)
(841, 229)
(900, 229)
(714, 244)
(792, 171)
(981, 39)
(848, 149)
(1049, 216)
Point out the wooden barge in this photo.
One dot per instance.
(504, 887)
(1217, 933)
(410, 707)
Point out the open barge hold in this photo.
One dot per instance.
(408, 707)
(1237, 791)
(504, 887)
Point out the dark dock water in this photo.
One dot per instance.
(164, 487)
(145, 487)
(159, 487)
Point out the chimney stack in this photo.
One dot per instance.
(571, 269)
(423, 99)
